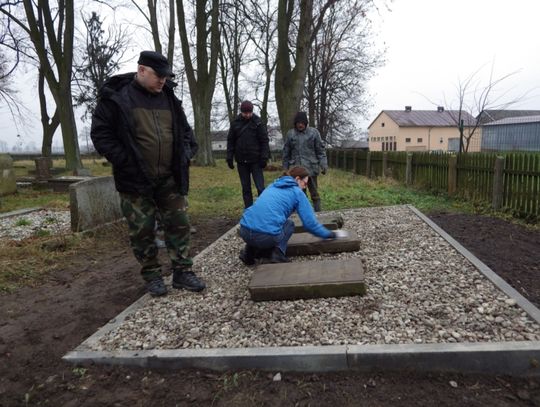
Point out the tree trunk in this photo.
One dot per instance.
(48, 125)
(203, 79)
(289, 82)
(202, 131)
(68, 127)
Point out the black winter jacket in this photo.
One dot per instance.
(247, 140)
(112, 133)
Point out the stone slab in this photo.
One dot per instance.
(61, 184)
(303, 244)
(329, 221)
(93, 202)
(8, 184)
(311, 279)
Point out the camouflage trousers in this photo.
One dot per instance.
(141, 212)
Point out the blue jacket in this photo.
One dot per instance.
(277, 202)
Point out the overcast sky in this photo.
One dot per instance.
(431, 45)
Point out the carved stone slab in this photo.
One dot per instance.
(303, 244)
(312, 279)
(331, 222)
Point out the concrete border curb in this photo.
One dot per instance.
(19, 212)
(510, 358)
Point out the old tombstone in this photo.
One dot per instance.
(93, 202)
(331, 222)
(8, 184)
(43, 166)
(303, 244)
(313, 279)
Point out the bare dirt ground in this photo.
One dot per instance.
(39, 325)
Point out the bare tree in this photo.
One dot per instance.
(289, 80)
(101, 57)
(201, 77)
(263, 20)
(474, 98)
(50, 27)
(234, 41)
(151, 14)
(341, 61)
(11, 52)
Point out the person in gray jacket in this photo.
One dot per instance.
(304, 147)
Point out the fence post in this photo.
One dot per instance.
(384, 164)
(452, 175)
(354, 162)
(498, 188)
(408, 169)
(368, 164)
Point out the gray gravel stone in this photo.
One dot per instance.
(43, 221)
(420, 290)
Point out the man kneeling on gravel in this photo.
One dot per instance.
(140, 127)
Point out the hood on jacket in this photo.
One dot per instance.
(285, 181)
(300, 117)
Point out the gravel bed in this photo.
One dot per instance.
(420, 290)
(36, 223)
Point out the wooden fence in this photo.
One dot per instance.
(509, 181)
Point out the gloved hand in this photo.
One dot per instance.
(262, 163)
(340, 234)
(230, 163)
(323, 170)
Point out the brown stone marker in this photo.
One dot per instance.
(311, 279)
(331, 222)
(303, 244)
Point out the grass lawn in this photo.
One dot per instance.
(216, 191)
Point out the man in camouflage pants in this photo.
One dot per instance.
(140, 127)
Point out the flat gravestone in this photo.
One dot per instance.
(311, 279)
(331, 222)
(303, 244)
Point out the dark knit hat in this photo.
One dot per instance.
(301, 117)
(157, 62)
(246, 106)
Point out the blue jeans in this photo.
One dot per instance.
(246, 171)
(266, 241)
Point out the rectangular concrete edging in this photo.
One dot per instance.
(510, 358)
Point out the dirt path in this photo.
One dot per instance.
(37, 327)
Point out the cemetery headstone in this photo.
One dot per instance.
(8, 183)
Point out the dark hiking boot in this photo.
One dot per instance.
(247, 255)
(187, 280)
(156, 287)
(278, 257)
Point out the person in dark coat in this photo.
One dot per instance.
(247, 143)
(140, 127)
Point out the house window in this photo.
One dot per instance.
(395, 146)
(419, 140)
(408, 140)
(441, 140)
(382, 124)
